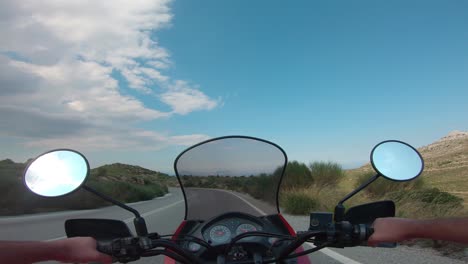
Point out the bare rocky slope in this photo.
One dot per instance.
(449, 152)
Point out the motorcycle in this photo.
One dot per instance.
(231, 189)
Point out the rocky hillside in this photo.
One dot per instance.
(449, 152)
(447, 164)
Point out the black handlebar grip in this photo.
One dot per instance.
(104, 247)
(362, 232)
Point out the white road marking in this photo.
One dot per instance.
(245, 201)
(330, 253)
(68, 213)
(42, 216)
(334, 255)
(129, 220)
(157, 198)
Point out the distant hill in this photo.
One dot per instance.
(124, 182)
(130, 173)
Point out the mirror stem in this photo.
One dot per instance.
(364, 185)
(140, 225)
(340, 210)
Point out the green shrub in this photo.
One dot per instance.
(326, 173)
(296, 175)
(298, 203)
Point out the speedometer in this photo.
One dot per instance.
(245, 228)
(220, 234)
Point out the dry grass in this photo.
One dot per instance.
(325, 198)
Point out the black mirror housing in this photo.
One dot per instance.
(367, 213)
(100, 229)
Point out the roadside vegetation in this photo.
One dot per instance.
(123, 182)
(320, 185)
(318, 194)
(415, 199)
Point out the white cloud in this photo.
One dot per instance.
(116, 139)
(81, 88)
(59, 58)
(184, 99)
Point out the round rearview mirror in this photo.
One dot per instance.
(56, 173)
(397, 160)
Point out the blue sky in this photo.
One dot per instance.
(326, 80)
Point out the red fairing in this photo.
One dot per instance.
(292, 232)
(168, 260)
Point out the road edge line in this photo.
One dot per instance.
(245, 201)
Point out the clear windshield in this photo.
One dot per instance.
(231, 174)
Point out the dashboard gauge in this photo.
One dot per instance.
(194, 247)
(220, 234)
(245, 228)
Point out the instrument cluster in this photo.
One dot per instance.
(224, 230)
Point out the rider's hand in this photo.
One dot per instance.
(81, 250)
(390, 229)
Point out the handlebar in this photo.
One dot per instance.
(344, 234)
(340, 234)
(132, 248)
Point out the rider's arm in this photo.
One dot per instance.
(394, 229)
(78, 249)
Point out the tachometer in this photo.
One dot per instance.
(245, 228)
(220, 234)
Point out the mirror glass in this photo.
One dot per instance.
(56, 173)
(397, 160)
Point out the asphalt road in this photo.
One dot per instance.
(164, 215)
